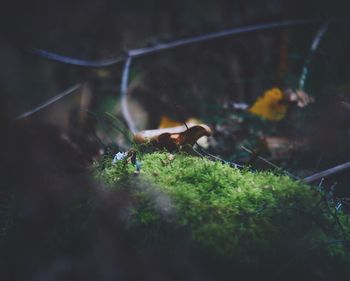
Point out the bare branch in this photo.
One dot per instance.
(215, 35)
(328, 172)
(49, 102)
(314, 45)
(166, 46)
(74, 61)
(270, 163)
(124, 98)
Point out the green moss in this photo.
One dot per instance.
(249, 217)
(110, 173)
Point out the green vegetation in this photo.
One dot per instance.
(252, 218)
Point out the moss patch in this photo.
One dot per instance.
(252, 218)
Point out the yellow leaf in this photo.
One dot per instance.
(270, 106)
(166, 122)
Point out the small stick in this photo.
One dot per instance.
(154, 49)
(125, 88)
(268, 162)
(123, 95)
(213, 156)
(48, 102)
(314, 45)
(166, 46)
(222, 160)
(74, 61)
(327, 173)
(215, 35)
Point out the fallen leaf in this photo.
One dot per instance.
(300, 97)
(166, 122)
(271, 105)
(173, 138)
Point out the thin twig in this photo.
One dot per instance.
(313, 48)
(220, 159)
(327, 173)
(49, 102)
(270, 163)
(150, 50)
(166, 46)
(124, 98)
(74, 61)
(215, 35)
(213, 156)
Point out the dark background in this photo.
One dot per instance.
(44, 158)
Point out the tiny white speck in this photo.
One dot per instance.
(119, 156)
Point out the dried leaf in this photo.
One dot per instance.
(166, 122)
(300, 97)
(173, 138)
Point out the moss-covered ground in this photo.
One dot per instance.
(258, 220)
